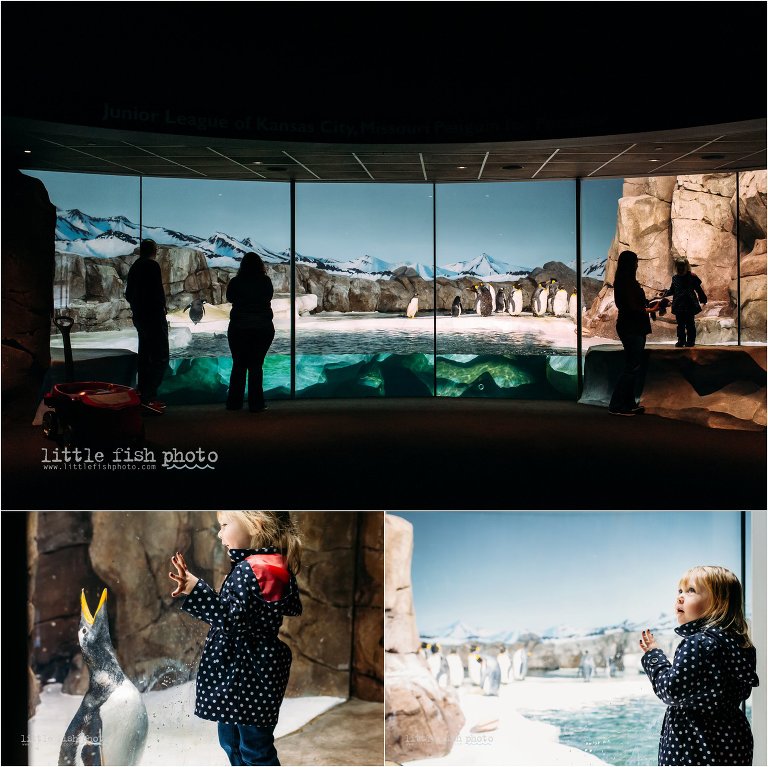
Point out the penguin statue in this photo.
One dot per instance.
(490, 675)
(413, 307)
(501, 300)
(474, 666)
(519, 664)
(538, 302)
(455, 669)
(196, 310)
(456, 309)
(110, 727)
(551, 293)
(573, 305)
(515, 301)
(504, 664)
(560, 303)
(486, 301)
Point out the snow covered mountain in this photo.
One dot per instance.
(77, 232)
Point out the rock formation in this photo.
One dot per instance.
(421, 719)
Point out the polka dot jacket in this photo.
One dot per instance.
(703, 689)
(244, 667)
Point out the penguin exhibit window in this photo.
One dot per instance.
(496, 293)
(555, 641)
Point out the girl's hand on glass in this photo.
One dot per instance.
(647, 642)
(185, 581)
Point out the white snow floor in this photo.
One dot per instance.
(520, 741)
(176, 735)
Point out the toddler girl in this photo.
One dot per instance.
(244, 666)
(712, 673)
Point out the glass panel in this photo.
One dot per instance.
(752, 238)
(536, 604)
(666, 219)
(203, 228)
(506, 260)
(97, 232)
(364, 284)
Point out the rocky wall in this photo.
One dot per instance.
(421, 719)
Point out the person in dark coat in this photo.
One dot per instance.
(632, 326)
(144, 292)
(686, 292)
(712, 673)
(244, 667)
(251, 332)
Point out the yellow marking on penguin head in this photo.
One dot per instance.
(84, 606)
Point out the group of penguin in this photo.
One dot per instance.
(484, 670)
(548, 298)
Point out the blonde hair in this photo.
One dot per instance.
(725, 590)
(270, 528)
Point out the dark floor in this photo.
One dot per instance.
(406, 454)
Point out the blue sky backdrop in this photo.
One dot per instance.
(532, 570)
(522, 223)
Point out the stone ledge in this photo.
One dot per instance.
(721, 387)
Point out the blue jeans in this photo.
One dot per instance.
(630, 381)
(248, 743)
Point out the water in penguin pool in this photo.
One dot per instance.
(110, 727)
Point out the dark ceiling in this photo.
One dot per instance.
(719, 149)
(384, 92)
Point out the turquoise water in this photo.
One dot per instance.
(204, 380)
(622, 733)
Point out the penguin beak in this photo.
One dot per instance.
(84, 606)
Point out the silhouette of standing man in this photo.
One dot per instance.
(144, 292)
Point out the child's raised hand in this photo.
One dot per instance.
(185, 581)
(647, 642)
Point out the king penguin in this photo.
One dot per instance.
(110, 727)
(438, 665)
(474, 666)
(485, 301)
(456, 308)
(196, 310)
(519, 664)
(515, 301)
(490, 679)
(551, 291)
(560, 303)
(572, 305)
(455, 668)
(413, 307)
(504, 664)
(539, 300)
(501, 300)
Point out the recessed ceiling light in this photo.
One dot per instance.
(257, 162)
(27, 151)
(511, 167)
(713, 157)
(658, 149)
(654, 160)
(276, 168)
(461, 167)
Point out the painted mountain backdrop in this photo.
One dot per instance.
(80, 234)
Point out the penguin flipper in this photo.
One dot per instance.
(83, 745)
(186, 307)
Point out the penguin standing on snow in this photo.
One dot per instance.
(539, 300)
(413, 307)
(501, 300)
(110, 727)
(551, 293)
(573, 305)
(456, 308)
(196, 310)
(515, 301)
(490, 675)
(560, 303)
(484, 304)
(474, 666)
(455, 668)
(504, 664)
(438, 665)
(519, 664)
